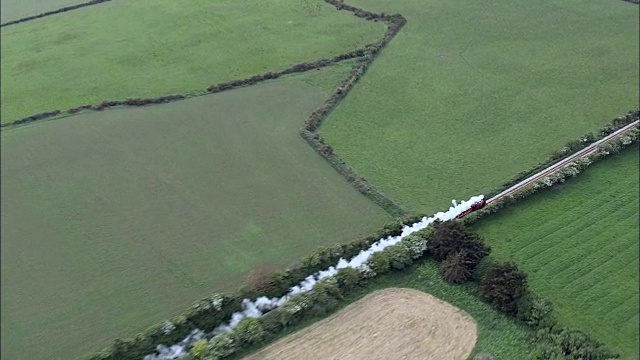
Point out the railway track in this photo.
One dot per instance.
(564, 162)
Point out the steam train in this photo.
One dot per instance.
(476, 206)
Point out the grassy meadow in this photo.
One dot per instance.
(579, 245)
(18, 9)
(472, 92)
(115, 220)
(125, 49)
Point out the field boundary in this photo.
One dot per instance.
(309, 132)
(325, 297)
(53, 12)
(623, 138)
(216, 88)
(570, 149)
(367, 56)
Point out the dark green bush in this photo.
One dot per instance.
(399, 256)
(349, 279)
(249, 331)
(379, 263)
(222, 345)
(451, 237)
(568, 344)
(535, 311)
(457, 267)
(503, 286)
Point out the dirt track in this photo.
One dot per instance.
(387, 324)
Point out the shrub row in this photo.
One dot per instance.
(505, 287)
(297, 68)
(308, 132)
(560, 176)
(61, 10)
(570, 148)
(210, 312)
(323, 298)
(36, 117)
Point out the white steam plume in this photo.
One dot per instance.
(259, 306)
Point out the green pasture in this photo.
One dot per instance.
(146, 48)
(497, 334)
(115, 220)
(18, 9)
(472, 92)
(579, 245)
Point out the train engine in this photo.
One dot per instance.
(474, 207)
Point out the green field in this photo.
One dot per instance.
(579, 245)
(115, 220)
(497, 334)
(149, 48)
(18, 9)
(472, 92)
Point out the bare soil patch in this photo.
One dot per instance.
(387, 324)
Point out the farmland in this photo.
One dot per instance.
(386, 324)
(466, 83)
(114, 220)
(123, 49)
(579, 245)
(17, 9)
(496, 334)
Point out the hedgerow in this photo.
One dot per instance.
(571, 147)
(571, 170)
(48, 13)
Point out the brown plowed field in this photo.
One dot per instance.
(387, 324)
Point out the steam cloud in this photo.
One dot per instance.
(263, 304)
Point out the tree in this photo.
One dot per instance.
(249, 331)
(399, 256)
(452, 236)
(457, 267)
(535, 311)
(200, 349)
(568, 344)
(348, 278)
(379, 263)
(416, 244)
(221, 346)
(503, 286)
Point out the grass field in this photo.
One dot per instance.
(127, 49)
(497, 334)
(579, 245)
(472, 92)
(18, 9)
(115, 220)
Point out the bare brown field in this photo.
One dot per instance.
(387, 324)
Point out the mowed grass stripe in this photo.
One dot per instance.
(115, 220)
(579, 244)
(567, 253)
(147, 48)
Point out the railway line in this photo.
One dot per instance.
(564, 162)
